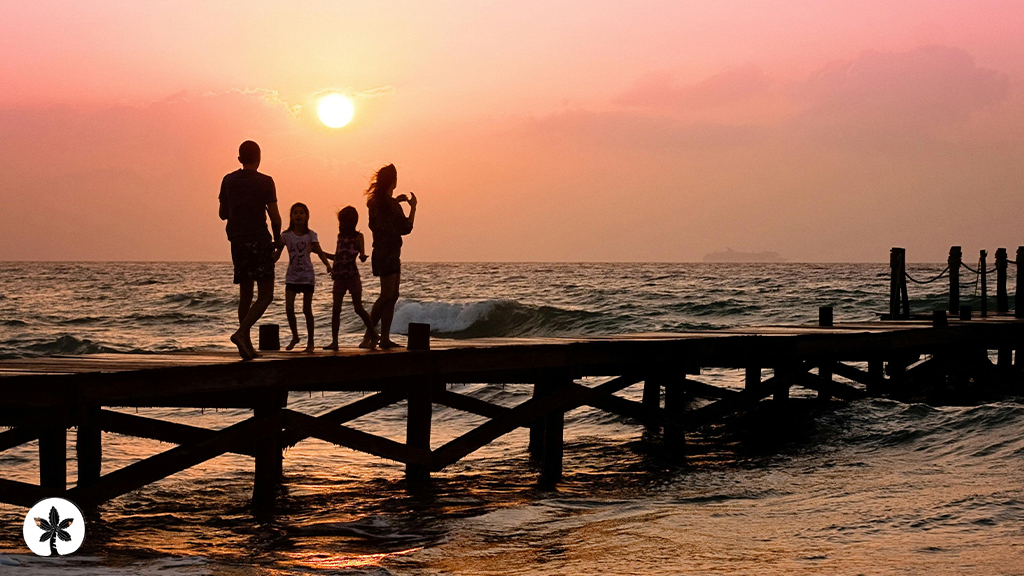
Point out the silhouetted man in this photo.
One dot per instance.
(246, 198)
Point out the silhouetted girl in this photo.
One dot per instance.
(300, 279)
(388, 223)
(346, 276)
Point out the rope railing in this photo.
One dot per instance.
(916, 281)
(974, 287)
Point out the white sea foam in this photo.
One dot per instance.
(442, 316)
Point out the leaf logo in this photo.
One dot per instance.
(54, 527)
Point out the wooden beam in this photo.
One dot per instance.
(139, 474)
(830, 388)
(699, 389)
(24, 494)
(355, 439)
(872, 379)
(17, 436)
(350, 412)
(487, 432)
(468, 404)
(162, 430)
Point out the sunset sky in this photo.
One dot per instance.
(565, 131)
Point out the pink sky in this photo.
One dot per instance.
(826, 131)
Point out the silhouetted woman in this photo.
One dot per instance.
(388, 223)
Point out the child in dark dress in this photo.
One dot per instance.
(346, 276)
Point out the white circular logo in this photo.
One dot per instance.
(54, 527)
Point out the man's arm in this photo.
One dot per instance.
(275, 222)
(223, 212)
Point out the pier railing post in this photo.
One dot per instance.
(417, 430)
(1002, 301)
(899, 303)
(53, 451)
(88, 446)
(983, 279)
(269, 449)
(1017, 292)
(955, 256)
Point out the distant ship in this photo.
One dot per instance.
(731, 255)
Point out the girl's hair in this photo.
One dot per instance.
(383, 181)
(291, 223)
(347, 219)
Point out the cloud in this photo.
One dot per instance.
(929, 87)
(731, 86)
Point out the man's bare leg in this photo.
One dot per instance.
(263, 299)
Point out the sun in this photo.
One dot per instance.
(335, 110)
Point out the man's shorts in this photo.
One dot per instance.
(351, 284)
(253, 260)
(386, 261)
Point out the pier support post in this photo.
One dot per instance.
(955, 256)
(269, 452)
(53, 451)
(877, 371)
(417, 430)
(676, 400)
(652, 399)
(88, 445)
(783, 372)
(983, 279)
(1002, 300)
(825, 373)
(751, 377)
(554, 426)
(536, 446)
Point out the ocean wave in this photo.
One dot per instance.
(200, 299)
(68, 345)
(497, 318)
(13, 323)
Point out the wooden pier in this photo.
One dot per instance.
(42, 398)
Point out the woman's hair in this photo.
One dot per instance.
(347, 220)
(291, 223)
(383, 181)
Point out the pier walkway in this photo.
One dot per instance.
(43, 398)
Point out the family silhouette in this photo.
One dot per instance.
(248, 198)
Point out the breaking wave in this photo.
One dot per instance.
(497, 318)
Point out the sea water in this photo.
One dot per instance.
(866, 487)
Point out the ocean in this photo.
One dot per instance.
(866, 487)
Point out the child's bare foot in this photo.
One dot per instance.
(310, 347)
(295, 340)
(386, 343)
(243, 350)
(370, 340)
(332, 346)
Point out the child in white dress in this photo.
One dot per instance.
(301, 278)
